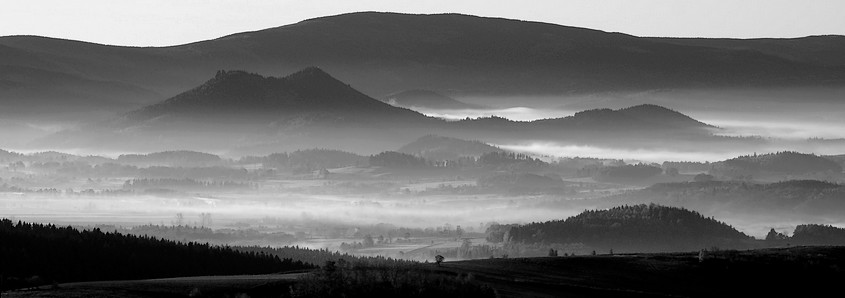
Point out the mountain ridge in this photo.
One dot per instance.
(312, 109)
(460, 53)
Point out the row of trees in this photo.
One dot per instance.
(810, 234)
(307, 160)
(65, 254)
(620, 173)
(186, 183)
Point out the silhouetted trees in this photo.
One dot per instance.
(620, 173)
(392, 159)
(64, 254)
(787, 162)
(632, 228)
(814, 234)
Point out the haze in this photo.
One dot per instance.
(407, 136)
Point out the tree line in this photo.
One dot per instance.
(34, 254)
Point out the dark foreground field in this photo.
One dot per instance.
(269, 285)
(798, 271)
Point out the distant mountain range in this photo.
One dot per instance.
(253, 114)
(385, 53)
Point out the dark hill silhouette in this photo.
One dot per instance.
(426, 99)
(192, 158)
(64, 254)
(641, 117)
(814, 234)
(638, 228)
(792, 198)
(306, 109)
(383, 53)
(257, 115)
(312, 109)
(435, 147)
(787, 162)
(819, 49)
(308, 91)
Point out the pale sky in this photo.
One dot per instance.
(171, 22)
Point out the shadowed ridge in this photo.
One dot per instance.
(660, 114)
(248, 97)
(420, 98)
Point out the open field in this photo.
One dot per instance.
(197, 286)
(798, 271)
(803, 271)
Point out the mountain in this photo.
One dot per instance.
(425, 99)
(309, 91)
(384, 53)
(435, 147)
(307, 109)
(250, 114)
(638, 228)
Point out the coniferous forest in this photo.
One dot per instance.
(34, 254)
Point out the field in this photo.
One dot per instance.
(199, 286)
(801, 271)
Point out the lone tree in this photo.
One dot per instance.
(438, 259)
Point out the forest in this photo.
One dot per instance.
(634, 228)
(36, 254)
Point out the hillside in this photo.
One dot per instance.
(384, 53)
(435, 147)
(636, 228)
(312, 109)
(790, 163)
(425, 99)
(64, 254)
(306, 109)
(310, 91)
(813, 234)
(640, 117)
(795, 197)
(189, 158)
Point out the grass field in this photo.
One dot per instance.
(269, 285)
(795, 271)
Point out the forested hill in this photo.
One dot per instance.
(638, 228)
(436, 147)
(786, 162)
(787, 197)
(34, 254)
(814, 234)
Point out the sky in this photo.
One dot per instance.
(172, 22)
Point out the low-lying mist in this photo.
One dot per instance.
(294, 209)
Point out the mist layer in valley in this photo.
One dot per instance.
(411, 143)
